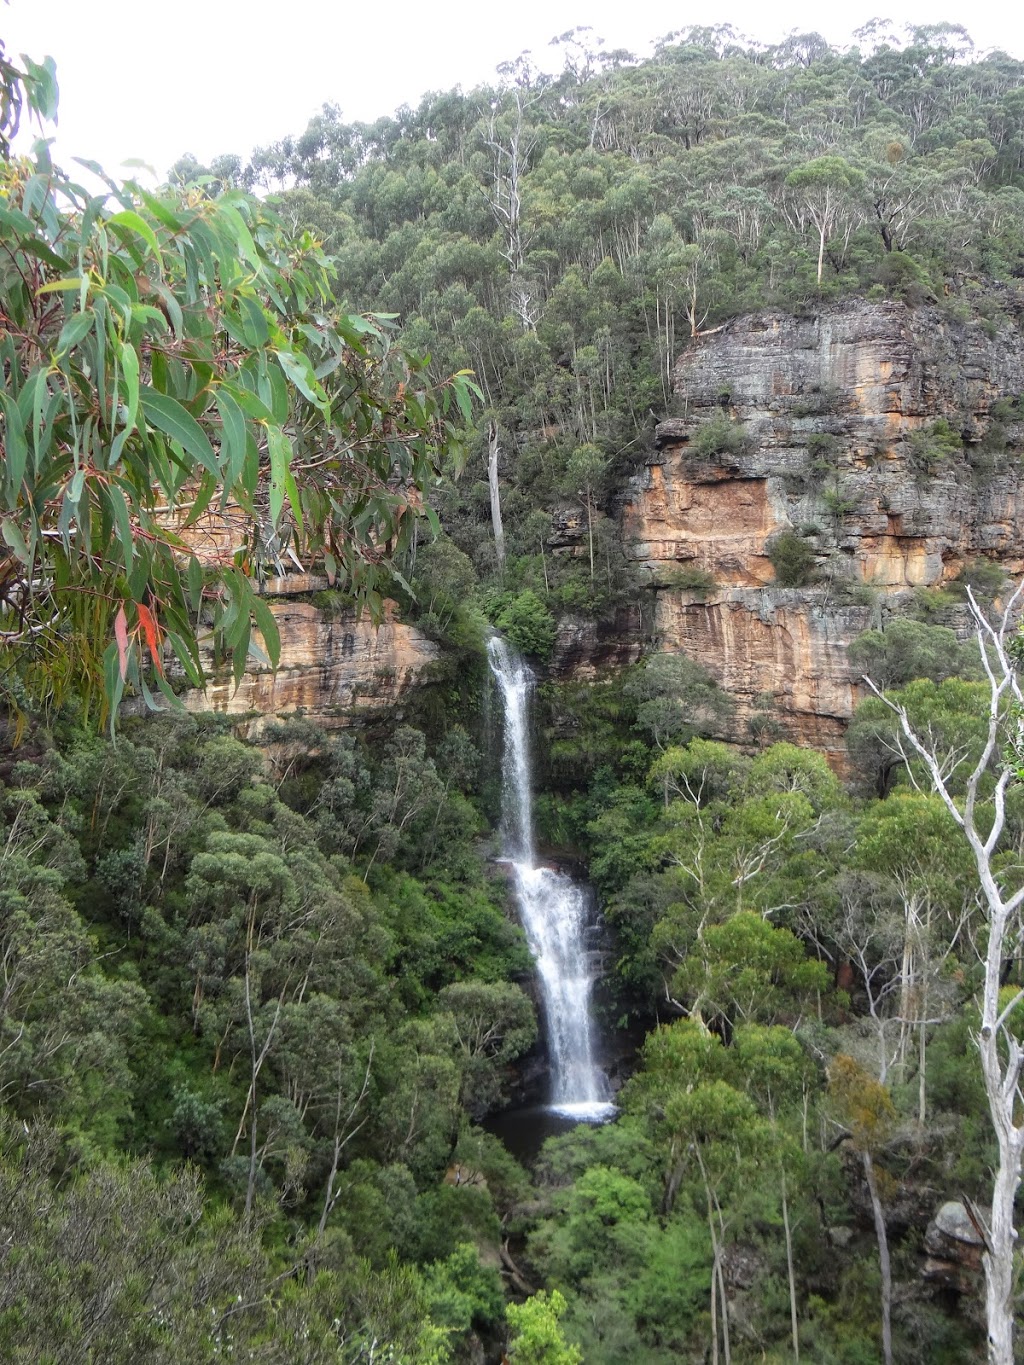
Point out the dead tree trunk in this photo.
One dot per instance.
(492, 483)
(883, 1256)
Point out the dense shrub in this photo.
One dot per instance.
(718, 436)
(529, 625)
(792, 559)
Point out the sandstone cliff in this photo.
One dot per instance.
(828, 427)
(827, 424)
(335, 669)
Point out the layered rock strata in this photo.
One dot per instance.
(824, 428)
(334, 670)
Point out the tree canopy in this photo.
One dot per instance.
(185, 410)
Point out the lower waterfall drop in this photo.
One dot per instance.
(554, 914)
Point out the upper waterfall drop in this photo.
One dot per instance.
(554, 912)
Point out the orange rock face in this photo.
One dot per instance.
(720, 527)
(771, 654)
(335, 671)
(833, 416)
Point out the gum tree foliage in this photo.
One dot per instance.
(298, 1034)
(677, 698)
(825, 190)
(567, 235)
(537, 1338)
(908, 649)
(176, 371)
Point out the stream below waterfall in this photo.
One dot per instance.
(556, 916)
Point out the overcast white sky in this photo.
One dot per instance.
(208, 76)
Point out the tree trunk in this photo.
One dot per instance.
(907, 984)
(492, 483)
(250, 1185)
(715, 1260)
(883, 1257)
(725, 1312)
(1000, 1253)
(789, 1270)
(717, 1273)
(998, 1264)
(1002, 1079)
(883, 228)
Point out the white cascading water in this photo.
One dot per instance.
(554, 913)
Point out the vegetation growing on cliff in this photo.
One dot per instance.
(653, 201)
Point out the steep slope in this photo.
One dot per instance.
(884, 440)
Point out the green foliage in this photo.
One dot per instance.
(702, 771)
(837, 501)
(935, 605)
(536, 1336)
(293, 970)
(494, 1024)
(908, 649)
(689, 578)
(444, 584)
(197, 1125)
(122, 1264)
(823, 452)
(747, 969)
(462, 1294)
(793, 560)
(985, 579)
(951, 712)
(588, 731)
(717, 436)
(929, 448)
(585, 471)
(603, 1222)
(676, 699)
(170, 357)
(786, 768)
(529, 625)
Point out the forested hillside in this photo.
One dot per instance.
(564, 235)
(262, 1004)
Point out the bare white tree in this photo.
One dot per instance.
(512, 139)
(982, 819)
(495, 490)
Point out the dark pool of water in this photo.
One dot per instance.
(524, 1131)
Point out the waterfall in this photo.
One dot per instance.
(553, 910)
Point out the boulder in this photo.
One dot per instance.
(954, 1245)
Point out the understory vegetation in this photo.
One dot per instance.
(259, 999)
